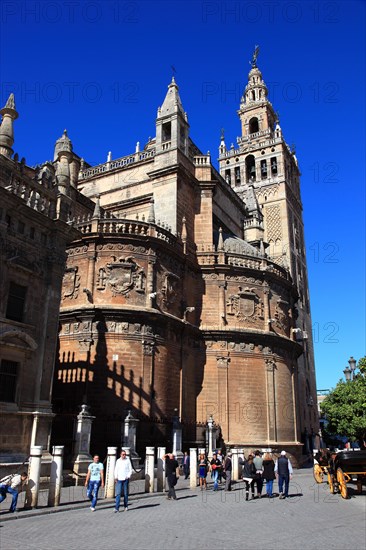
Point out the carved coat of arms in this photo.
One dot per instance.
(245, 305)
(124, 274)
(70, 283)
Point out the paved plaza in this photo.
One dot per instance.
(310, 518)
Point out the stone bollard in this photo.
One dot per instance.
(54, 491)
(149, 470)
(235, 464)
(161, 470)
(32, 490)
(193, 468)
(109, 472)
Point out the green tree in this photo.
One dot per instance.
(345, 407)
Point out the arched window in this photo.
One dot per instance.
(253, 125)
(250, 168)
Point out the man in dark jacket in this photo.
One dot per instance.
(283, 471)
(228, 467)
(171, 466)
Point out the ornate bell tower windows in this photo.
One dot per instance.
(228, 176)
(237, 175)
(253, 124)
(274, 166)
(263, 169)
(250, 168)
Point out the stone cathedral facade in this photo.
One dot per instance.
(185, 292)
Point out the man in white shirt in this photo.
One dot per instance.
(12, 484)
(122, 474)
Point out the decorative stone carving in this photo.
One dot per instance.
(85, 343)
(223, 362)
(273, 222)
(111, 326)
(102, 278)
(148, 347)
(71, 283)
(270, 365)
(245, 305)
(170, 289)
(124, 274)
(282, 313)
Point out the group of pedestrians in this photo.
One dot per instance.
(257, 469)
(220, 468)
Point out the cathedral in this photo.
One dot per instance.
(184, 288)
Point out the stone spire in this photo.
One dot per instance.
(151, 216)
(9, 114)
(62, 144)
(96, 213)
(222, 148)
(172, 102)
(172, 128)
(63, 157)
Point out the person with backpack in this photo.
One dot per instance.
(12, 485)
(283, 471)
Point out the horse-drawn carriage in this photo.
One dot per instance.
(340, 471)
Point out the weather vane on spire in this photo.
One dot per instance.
(253, 62)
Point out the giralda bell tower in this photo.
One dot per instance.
(264, 171)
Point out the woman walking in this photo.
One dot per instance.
(258, 463)
(249, 471)
(203, 468)
(269, 473)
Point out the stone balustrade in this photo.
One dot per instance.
(202, 160)
(209, 255)
(127, 227)
(117, 163)
(36, 195)
(242, 141)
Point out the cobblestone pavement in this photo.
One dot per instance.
(310, 518)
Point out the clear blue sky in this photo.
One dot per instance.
(100, 69)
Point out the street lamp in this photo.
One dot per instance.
(347, 373)
(350, 370)
(352, 365)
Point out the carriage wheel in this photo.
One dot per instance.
(342, 483)
(330, 483)
(318, 473)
